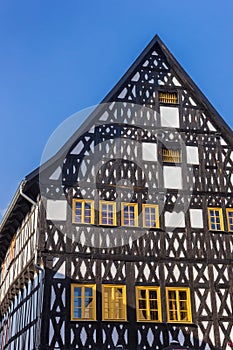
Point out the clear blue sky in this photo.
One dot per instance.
(57, 57)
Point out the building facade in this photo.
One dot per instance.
(124, 238)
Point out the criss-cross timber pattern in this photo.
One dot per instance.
(117, 156)
(109, 162)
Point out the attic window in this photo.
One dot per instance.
(168, 97)
(171, 155)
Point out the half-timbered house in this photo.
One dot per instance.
(124, 238)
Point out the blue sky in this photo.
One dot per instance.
(58, 57)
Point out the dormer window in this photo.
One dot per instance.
(168, 97)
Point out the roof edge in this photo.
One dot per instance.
(11, 205)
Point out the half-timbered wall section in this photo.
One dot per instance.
(21, 286)
(18, 263)
(136, 236)
(20, 326)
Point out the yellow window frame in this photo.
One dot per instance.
(210, 223)
(83, 297)
(229, 219)
(177, 305)
(101, 212)
(148, 308)
(135, 218)
(83, 201)
(152, 206)
(112, 300)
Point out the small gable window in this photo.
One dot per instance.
(171, 155)
(168, 97)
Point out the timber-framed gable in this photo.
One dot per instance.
(134, 223)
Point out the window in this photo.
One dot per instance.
(129, 214)
(168, 97)
(83, 211)
(171, 155)
(114, 302)
(148, 304)
(215, 219)
(107, 213)
(83, 302)
(150, 215)
(230, 219)
(178, 305)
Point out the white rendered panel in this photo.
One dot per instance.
(192, 155)
(196, 218)
(169, 117)
(172, 177)
(149, 151)
(56, 210)
(174, 219)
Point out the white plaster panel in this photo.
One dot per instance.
(56, 210)
(172, 177)
(56, 174)
(174, 219)
(211, 127)
(196, 218)
(149, 151)
(169, 117)
(61, 272)
(192, 155)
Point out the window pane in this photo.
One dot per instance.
(142, 293)
(88, 291)
(154, 316)
(142, 315)
(153, 305)
(77, 313)
(183, 295)
(142, 304)
(77, 291)
(77, 302)
(152, 294)
(173, 315)
(184, 316)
